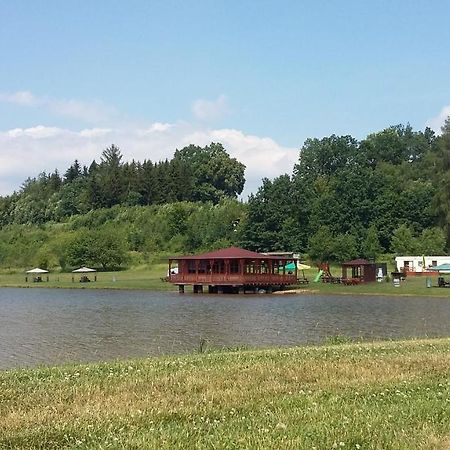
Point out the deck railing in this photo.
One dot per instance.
(233, 279)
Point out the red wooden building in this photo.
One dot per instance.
(232, 270)
(361, 271)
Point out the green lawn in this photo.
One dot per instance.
(384, 395)
(150, 278)
(136, 278)
(412, 285)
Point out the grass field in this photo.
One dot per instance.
(412, 285)
(136, 278)
(388, 395)
(150, 278)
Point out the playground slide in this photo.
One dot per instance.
(317, 278)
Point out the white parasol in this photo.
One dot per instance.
(83, 270)
(37, 270)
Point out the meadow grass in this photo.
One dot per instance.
(412, 286)
(150, 278)
(144, 277)
(384, 395)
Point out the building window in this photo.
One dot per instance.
(234, 266)
(191, 266)
(219, 267)
(202, 267)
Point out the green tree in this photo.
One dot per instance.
(104, 248)
(110, 176)
(269, 225)
(371, 247)
(439, 166)
(344, 248)
(432, 242)
(403, 241)
(321, 245)
(110, 249)
(215, 174)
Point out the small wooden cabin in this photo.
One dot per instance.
(232, 270)
(361, 270)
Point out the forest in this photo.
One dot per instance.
(386, 194)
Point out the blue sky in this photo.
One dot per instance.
(260, 76)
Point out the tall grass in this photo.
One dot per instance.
(352, 396)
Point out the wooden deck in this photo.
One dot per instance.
(233, 279)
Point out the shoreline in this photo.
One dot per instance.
(294, 291)
(348, 395)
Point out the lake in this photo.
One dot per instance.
(54, 326)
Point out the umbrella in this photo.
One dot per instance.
(290, 266)
(37, 270)
(83, 270)
(303, 267)
(445, 268)
(300, 266)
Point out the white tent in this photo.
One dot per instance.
(37, 270)
(84, 270)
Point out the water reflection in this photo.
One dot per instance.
(43, 326)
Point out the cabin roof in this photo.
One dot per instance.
(358, 262)
(233, 253)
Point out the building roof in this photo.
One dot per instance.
(358, 262)
(233, 253)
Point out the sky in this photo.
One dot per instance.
(258, 76)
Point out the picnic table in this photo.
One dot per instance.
(351, 281)
(333, 280)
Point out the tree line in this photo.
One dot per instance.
(388, 193)
(347, 198)
(193, 174)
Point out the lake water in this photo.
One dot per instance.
(45, 326)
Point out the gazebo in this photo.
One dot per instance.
(83, 271)
(361, 271)
(232, 270)
(37, 274)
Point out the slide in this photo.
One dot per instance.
(317, 278)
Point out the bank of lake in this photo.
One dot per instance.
(390, 395)
(151, 278)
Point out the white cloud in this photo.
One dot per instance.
(209, 110)
(27, 152)
(88, 111)
(157, 127)
(95, 132)
(39, 132)
(436, 123)
(23, 98)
